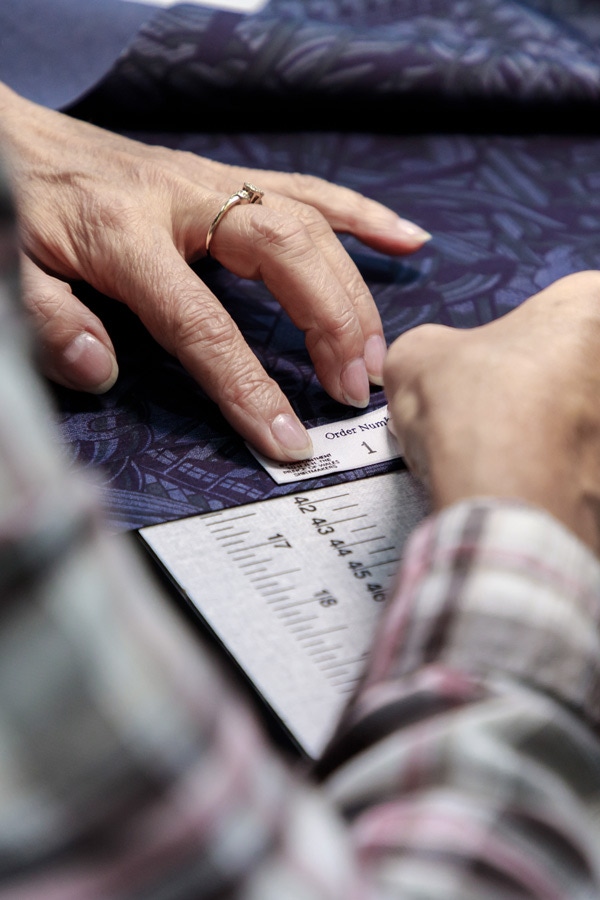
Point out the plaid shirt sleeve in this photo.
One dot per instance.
(467, 764)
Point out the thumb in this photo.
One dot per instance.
(74, 349)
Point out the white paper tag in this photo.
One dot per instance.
(338, 447)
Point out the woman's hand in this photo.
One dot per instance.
(508, 409)
(128, 219)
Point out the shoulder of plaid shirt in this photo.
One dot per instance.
(466, 766)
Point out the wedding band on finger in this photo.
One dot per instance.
(248, 193)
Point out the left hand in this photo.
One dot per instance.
(128, 218)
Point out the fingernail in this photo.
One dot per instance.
(375, 350)
(292, 436)
(90, 365)
(355, 383)
(409, 230)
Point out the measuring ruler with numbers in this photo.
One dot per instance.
(293, 587)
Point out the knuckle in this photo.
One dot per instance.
(247, 389)
(282, 235)
(357, 290)
(416, 354)
(48, 308)
(343, 324)
(306, 185)
(206, 333)
(311, 189)
(193, 323)
(337, 334)
(313, 220)
(340, 328)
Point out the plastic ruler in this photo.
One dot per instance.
(293, 587)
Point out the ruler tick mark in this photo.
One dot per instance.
(262, 544)
(225, 537)
(349, 519)
(330, 630)
(277, 574)
(385, 562)
(318, 652)
(366, 541)
(296, 621)
(329, 499)
(232, 518)
(300, 603)
(343, 663)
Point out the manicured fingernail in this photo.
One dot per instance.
(355, 383)
(375, 350)
(292, 436)
(409, 230)
(90, 365)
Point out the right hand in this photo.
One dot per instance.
(509, 409)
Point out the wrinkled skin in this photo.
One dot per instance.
(128, 218)
(509, 409)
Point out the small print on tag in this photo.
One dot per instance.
(338, 447)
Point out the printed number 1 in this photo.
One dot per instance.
(364, 444)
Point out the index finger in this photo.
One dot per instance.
(185, 317)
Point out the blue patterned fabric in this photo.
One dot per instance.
(502, 166)
(451, 54)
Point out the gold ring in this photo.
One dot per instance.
(248, 193)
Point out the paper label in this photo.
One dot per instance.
(338, 447)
